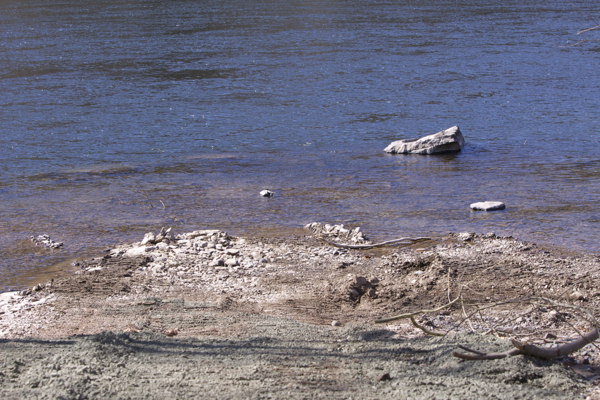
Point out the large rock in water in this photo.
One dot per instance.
(447, 141)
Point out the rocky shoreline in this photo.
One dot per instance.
(294, 317)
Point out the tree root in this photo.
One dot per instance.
(406, 240)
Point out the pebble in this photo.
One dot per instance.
(231, 262)
(577, 296)
(384, 377)
(217, 263)
(361, 281)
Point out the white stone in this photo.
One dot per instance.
(232, 262)
(255, 255)
(488, 206)
(162, 246)
(136, 251)
(449, 140)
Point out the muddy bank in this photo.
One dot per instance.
(204, 314)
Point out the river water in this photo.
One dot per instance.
(119, 117)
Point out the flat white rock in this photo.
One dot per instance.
(488, 206)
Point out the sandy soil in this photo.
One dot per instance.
(206, 315)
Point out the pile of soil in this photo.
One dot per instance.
(207, 315)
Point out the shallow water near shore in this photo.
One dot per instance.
(122, 117)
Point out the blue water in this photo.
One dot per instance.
(119, 117)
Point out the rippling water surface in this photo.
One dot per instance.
(119, 117)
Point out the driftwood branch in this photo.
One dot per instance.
(406, 241)
(532, 350)
(477, 355)
(588, 29)
(412, 316)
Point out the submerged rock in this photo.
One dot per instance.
(446, 141)
(488, 206)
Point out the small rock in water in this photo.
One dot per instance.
(44, 240)
(267, 193)
(488, 206)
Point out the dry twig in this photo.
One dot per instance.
(412, 316)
